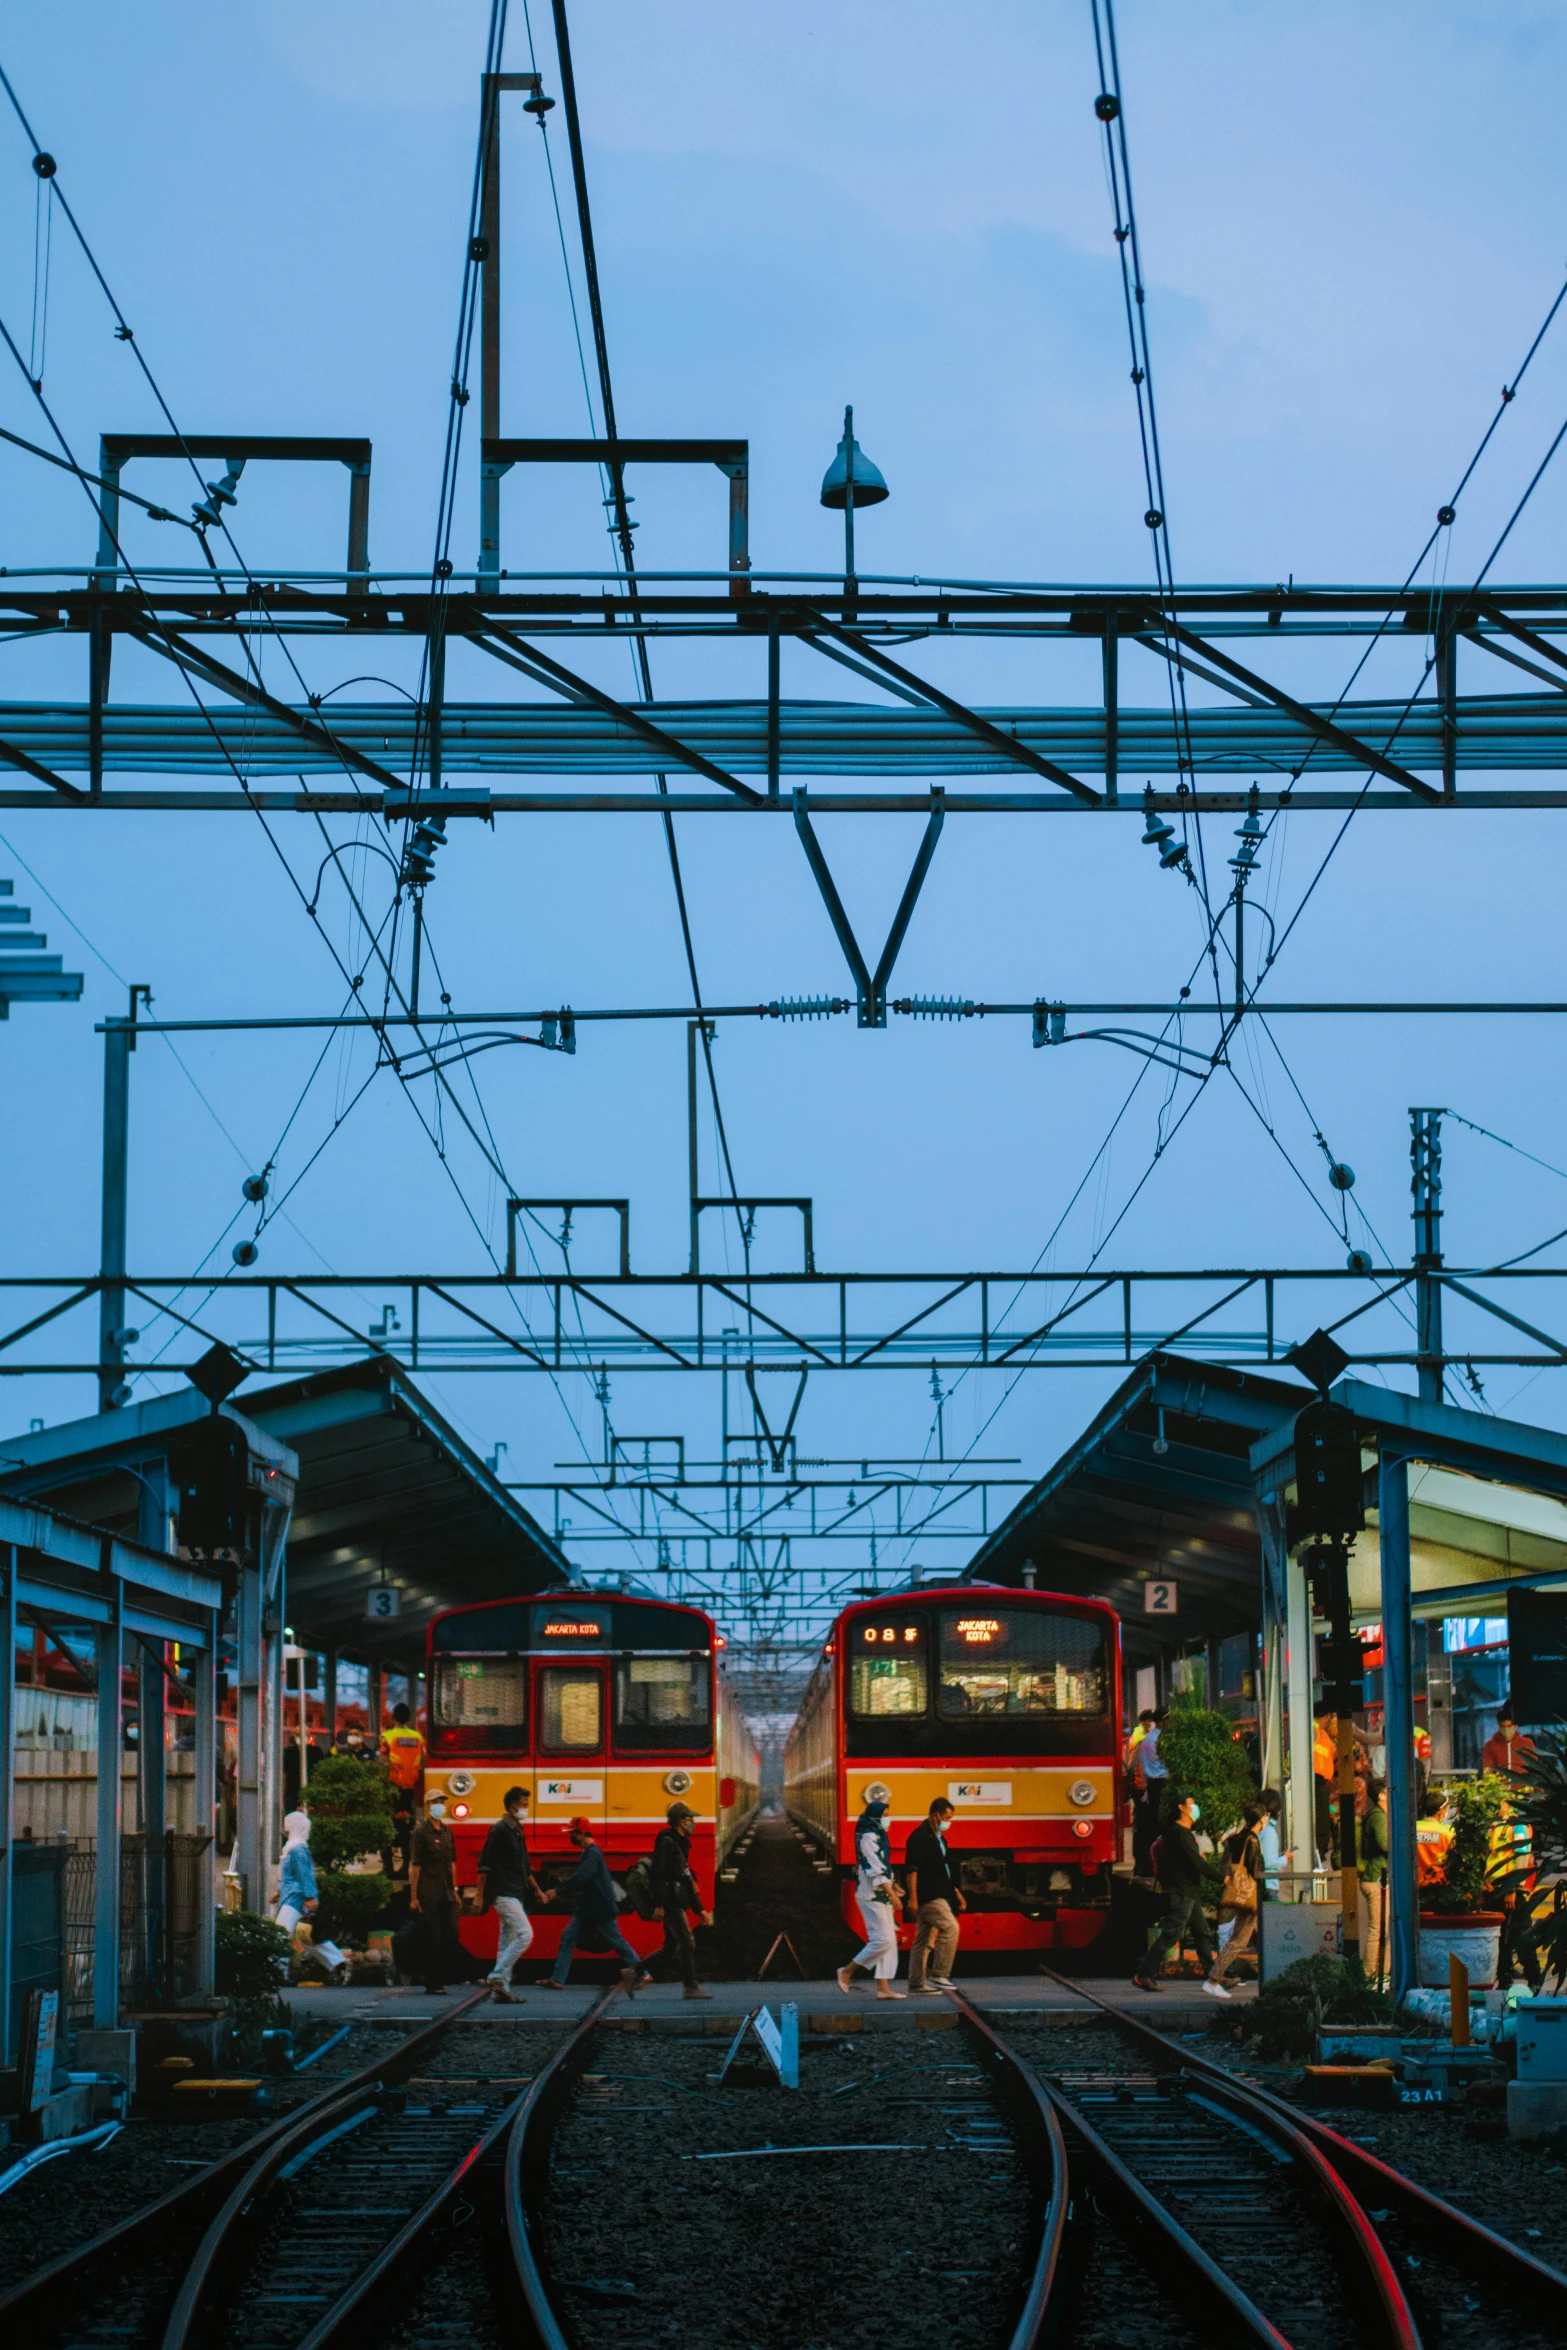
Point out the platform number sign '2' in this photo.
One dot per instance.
(1159, 1599)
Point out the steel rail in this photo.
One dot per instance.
(1047, 2280)
(1230, 2305)
(246, 2200)
(37, 2292)
(1535, 2277)
(420, 2238)
(524, 2127)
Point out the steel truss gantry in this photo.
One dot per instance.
(221, 632)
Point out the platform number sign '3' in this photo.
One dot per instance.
(1159, 1599)
(381, 1602)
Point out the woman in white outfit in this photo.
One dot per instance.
(297, 1896)
(877, 1896)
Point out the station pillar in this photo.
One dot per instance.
(106, 1873)
(1399, 1721)
(1275, 1608)
(8, 1568)
(204, 1821)
(1302, 1817)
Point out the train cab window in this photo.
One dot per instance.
(887, 1669)
(571, 1709)
(662, 1701)
(1019, 1664)
(481, 1693)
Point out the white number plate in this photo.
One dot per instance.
(979, 1791)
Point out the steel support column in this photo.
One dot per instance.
(1302, 1832)
(8, 1568)
(1399, 1720)
(106, 1875)
(151, 1794)
(1275, 1609)
(248, 1773)
(118, 1039)
(204, 1805)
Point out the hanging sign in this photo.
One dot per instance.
(381, 1603)
(1159, 1599)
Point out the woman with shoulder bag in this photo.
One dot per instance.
(1242, 1882)
(876, 1893)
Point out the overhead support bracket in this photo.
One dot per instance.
(1008, 744)
(777, 1446)
(12, 757)
(117, 448)
(190, 657)
(870, 986)
(1525, 636)
(545, 671)
(732, 458)
(1303, 714)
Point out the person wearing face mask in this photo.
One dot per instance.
(432, 1893)
(1179, 1864)
(878, 1899)
(589, 1893)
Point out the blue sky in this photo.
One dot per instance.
(1352, 223)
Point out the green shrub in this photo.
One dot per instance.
(1478, 1804)
(1539, 1799)
(350, 1905)
(350, 1810)
(1202, 1756)
(1289, 2011)
(248, 1951)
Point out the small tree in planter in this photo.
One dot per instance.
(1459, 1916)
(1204, 1760)
(252, 1961)
(350, 1815)
(1538, 1799)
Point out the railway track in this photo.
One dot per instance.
(618, 2194)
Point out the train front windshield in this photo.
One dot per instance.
(977, 1679)
(554, 1677)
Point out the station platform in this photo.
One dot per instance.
(1181, 2007)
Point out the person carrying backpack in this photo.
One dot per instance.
(506, 1880)
(1179, 1863)
(675, 1895)
(1242, 1891)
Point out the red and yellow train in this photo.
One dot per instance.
(1006, 1702)
(602, 1705)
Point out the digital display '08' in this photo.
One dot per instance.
(889, 1635)
(981, 1631)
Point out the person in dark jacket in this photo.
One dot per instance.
(675, 1895)
(505, 1883)
(1180, 1876)
(932, 1893)
(589, 1893)
(433, 1895)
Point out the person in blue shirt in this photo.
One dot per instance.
(589, 1893)
(296, 1892)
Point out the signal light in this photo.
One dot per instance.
(1082, 1827)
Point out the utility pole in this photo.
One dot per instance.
(1425, 1154)
(119, 1042)
(488, 256)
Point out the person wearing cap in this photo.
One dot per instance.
(589, 1893)
(432, 1893)
(675, 1895)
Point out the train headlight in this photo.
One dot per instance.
(877, 1792)
(459, 1811)
(459, 1782)
(1082, 1791)
(677, 1782)
(1082, 1827)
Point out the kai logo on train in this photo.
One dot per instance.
(571, 1791)
(979, 1791)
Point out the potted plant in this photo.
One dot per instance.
(1459, 1917)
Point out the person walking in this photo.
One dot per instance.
(876, 1894)
(589, 1893)
(1144, 1725)
(675, 1895)
(1150, 1780)
(297, 1897)
(1275, 1858)
(934, 1898)
(1324, 1786)
(1180, 1876)
(432, 1895)
(1243, 1879)
(505, 1882)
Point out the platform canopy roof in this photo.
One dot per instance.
(1157, 1488)
(386, 1492)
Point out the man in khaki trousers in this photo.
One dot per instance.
(933, 1896)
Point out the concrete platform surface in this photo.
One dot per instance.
(1182, 2006)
